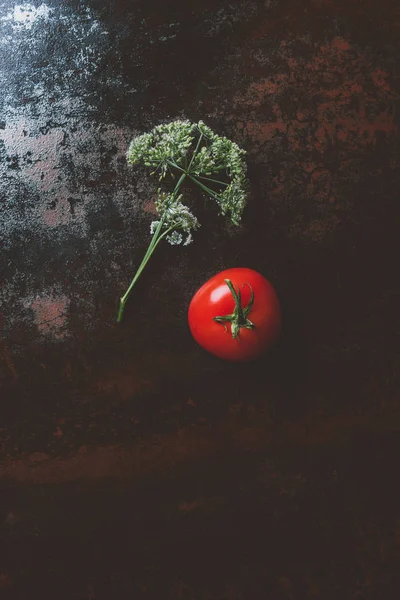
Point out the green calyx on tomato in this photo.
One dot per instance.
(247, 308)
(238, 318)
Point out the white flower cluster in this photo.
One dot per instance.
(166, 142)
(196, 151)
(176, 217)
(205, 130)
(220, 155)
(233, 200)
(224, 155)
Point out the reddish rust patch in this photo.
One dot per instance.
(6, 357)
(58, 433)
(5, 580)
(11, 519)
(350, 101)
(325, 102)
(262, 132)
(50, 314)
(37, 457)
(380, 78)
(189, 506)
(57, 216)
(340, 44)
(150, 207)
(259, 90)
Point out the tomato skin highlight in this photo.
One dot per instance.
(214, 298)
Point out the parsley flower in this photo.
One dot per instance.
(196, 154)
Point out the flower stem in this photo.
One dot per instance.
(157, 237)
(213, 180)
(173, 164)
(204, 187)
(195, 151)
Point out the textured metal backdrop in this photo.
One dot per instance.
(134, 465)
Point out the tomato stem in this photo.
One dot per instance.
(238, 318)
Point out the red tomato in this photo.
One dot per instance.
(235, 315)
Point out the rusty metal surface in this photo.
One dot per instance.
(134, 465)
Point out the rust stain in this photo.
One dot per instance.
(68, 369)
(50, 314)
(62, 214)
(11, 519)
(257, 91)
(380, 78)
(260, 131)
(336, 76)
(340, 44)
(189, 506)
(37, 457)
(162, 454)
(150, 208)
(5, 580)
(331, 100)
(5, 355)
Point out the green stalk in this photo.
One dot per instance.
(204, 187)
(213, 180)
(173, 164)
(195, 151)
(157, 237)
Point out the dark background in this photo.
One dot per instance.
(133, 464)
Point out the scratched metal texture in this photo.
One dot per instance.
(133, 464)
